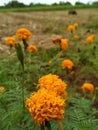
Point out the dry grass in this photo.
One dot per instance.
(46, 24)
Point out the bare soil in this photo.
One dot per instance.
(44, 25)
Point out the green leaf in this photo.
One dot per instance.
(42, 127)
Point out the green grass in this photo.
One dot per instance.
(80, 111)
(13, 79)
(47, 8)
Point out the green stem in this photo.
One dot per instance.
(20, 54)
(23, 97)
(25, 44)
(42, 127)
(46, 126)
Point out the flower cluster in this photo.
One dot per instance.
(64, 44)
(67, 64)
(45, 105)
(88, 88)
(71, 28)
(90, 38)
(23, 34)
(53, 83)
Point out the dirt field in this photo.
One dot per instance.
(44, 25)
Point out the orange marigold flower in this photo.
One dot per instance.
(70, 28)
(88, 87)
(53, 83)
(10, 41)
(32, 49)
(2, 89)
(76, 37)
(64, 44)
(75, 25)
(56, 40)
(23, 34)
(50, 62)
(44, 106)
(67, 64)
(90, 38)
(93, 36)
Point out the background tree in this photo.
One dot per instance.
(14, 3)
